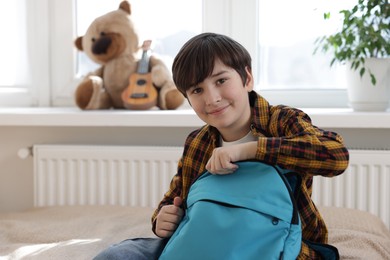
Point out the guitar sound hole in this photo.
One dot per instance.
(141, 82)
(139, 95)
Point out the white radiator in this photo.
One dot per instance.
(102, 175)
(139, 176)
(365, 185)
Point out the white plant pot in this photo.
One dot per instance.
(362, 94)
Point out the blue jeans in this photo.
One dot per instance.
(134, 249)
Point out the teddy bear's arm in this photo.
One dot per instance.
(170, 97)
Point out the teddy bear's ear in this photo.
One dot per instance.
(125, 6)
(78, 43)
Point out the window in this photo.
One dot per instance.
(23, 51)
(41, 67)
(168, 35)
(287, 32)
(40, 64)
(286, 46)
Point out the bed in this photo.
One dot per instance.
(80, 232)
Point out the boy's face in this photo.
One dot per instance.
(222, 101)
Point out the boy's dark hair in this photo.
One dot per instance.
(195, 60)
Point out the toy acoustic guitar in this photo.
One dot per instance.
(140, 93)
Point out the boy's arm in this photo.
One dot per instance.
(298, 145)
(174, 191)
(177, 182)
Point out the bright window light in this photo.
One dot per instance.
(287, 32)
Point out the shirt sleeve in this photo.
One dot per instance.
(296, 144)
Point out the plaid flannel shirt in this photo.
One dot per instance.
(286, 137)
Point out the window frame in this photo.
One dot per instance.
(63, 52)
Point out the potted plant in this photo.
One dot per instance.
(363, 44)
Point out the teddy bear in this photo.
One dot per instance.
(111, 41)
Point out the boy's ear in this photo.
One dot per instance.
(249, 80)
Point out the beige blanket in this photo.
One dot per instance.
(69, 232)
(82, 232)
(357, 234)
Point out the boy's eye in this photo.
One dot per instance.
(196, 90)
(221, 81)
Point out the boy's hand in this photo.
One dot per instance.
(169, 218)
(223, 158)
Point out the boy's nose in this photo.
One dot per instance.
(213, 96)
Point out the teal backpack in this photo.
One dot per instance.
(250, 214)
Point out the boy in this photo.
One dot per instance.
(214, 73)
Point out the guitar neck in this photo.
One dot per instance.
(143, 65)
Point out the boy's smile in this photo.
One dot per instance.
(221, 100)
(217, 111)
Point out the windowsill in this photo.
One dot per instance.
(324, 118)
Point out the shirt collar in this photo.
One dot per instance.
(260, 112)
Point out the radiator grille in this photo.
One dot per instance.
(364, 185)
(102, 175)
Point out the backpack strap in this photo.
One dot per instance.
(291, 181)
(328, 252)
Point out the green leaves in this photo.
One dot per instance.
(362, 70)
(326, 15)
(373, 79)
(365, 33)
